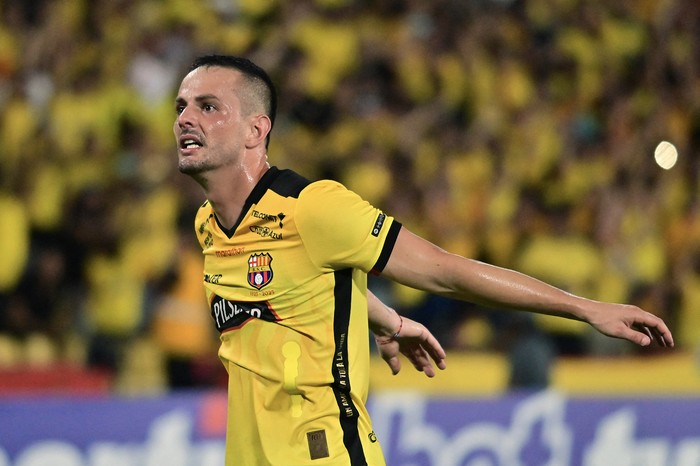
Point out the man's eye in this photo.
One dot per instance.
(208, 107)
(179, 109)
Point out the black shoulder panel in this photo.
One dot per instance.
(288, 183)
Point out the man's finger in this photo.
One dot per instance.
(654, 334)
(423, 360)
(394, 364)
(436, 353)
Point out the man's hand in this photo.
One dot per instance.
(416, 343)
(629, 323)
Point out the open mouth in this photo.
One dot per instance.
(189, 143)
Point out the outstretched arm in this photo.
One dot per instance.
(396, 334)
(420, 264)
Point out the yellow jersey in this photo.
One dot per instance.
(287, 289)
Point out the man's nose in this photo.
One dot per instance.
(186, 118)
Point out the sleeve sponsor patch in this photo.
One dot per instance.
(378, 224)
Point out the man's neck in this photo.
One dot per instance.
(227, 193)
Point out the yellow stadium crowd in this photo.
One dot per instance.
(520, 133)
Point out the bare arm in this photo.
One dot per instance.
(420, 264)
(396, 334)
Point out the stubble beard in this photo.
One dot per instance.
(189, 168)
(199, 164)
(193, 165)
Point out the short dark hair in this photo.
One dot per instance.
(252, 72)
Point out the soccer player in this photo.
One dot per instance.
(286, 264)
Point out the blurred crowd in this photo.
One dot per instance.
(517, 132)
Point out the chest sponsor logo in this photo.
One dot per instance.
(259, 270)
(265, 232)
(231, 315)
(203, 230)
(230, 252)
(269, 217)
(213, 278)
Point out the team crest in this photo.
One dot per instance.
(259, 270)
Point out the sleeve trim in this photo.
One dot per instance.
(389, 243)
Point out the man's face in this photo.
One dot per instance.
(210, 128)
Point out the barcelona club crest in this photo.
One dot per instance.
(259, 270)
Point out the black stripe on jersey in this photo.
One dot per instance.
(387, 248)
(341, 371)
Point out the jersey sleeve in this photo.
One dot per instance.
(341, 230)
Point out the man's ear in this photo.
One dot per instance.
(260, 126)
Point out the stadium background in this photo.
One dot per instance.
(517, 132)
